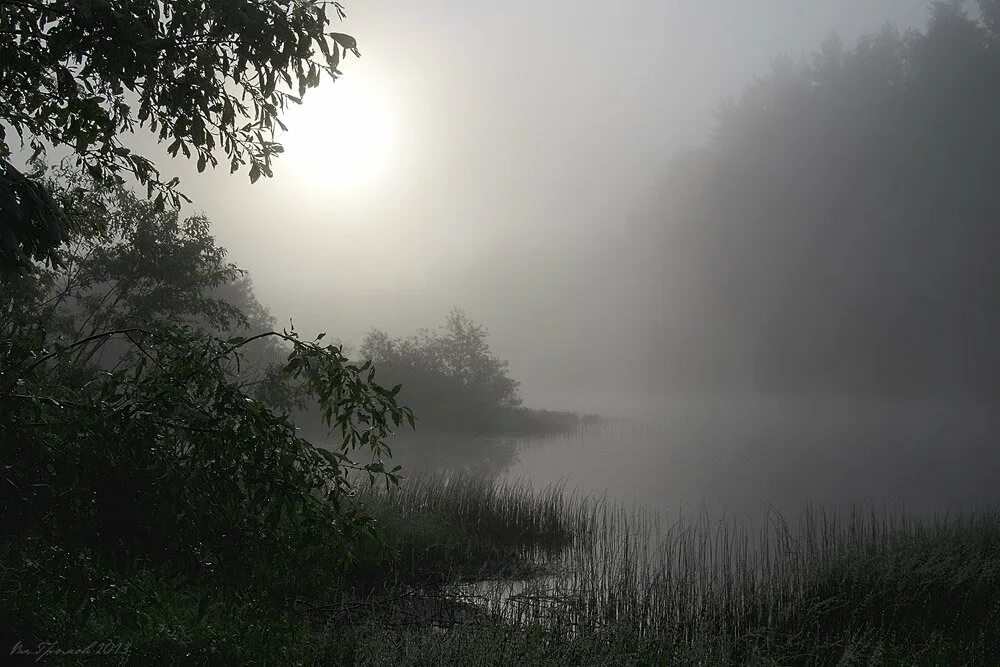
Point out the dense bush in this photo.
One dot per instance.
(453, 361)
(455, 382)
(169, 458)
(139, 417)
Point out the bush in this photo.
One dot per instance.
(168, 459)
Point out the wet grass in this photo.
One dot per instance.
(865, 584)
(441, 528)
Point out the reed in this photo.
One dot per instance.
(437, 528)
(740, 586)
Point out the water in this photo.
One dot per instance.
(700, 493)
(743, 456)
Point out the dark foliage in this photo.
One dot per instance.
(170, 459)
(453, 380)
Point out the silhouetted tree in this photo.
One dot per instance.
(468, 359)
(133, 266)
(136, 266)
(450, 376)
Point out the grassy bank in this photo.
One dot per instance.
(571, 580)
(439, 528)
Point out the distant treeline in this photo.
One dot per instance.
(840, 232)
(454, 382)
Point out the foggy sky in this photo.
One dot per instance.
(527, 137)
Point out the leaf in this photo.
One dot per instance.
(347, 42)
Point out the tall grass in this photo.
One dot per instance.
(508, 511)
(487, 572)
(439, 527)
(733, 578)
(869, 580)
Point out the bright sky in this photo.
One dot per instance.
(342, 140)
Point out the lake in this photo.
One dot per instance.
(744, 455)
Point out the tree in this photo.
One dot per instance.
(209, 77)
(468, 359)
(167, 454)
(133, 265)
(451, 376)
(990, 10)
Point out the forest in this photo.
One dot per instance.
(837, 235)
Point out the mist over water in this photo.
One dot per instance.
(744, 455)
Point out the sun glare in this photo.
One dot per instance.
(340, 137)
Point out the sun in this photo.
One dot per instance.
(339, 138)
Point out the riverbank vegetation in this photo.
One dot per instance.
(468, 570)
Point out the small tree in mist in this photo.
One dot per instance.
(451, 374)
(132, 265)
(468, 359)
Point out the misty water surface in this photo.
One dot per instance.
(742, 455)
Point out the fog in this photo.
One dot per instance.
(527, 140)
(562, 332)
(564, 172)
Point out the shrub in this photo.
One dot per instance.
(168, 458)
